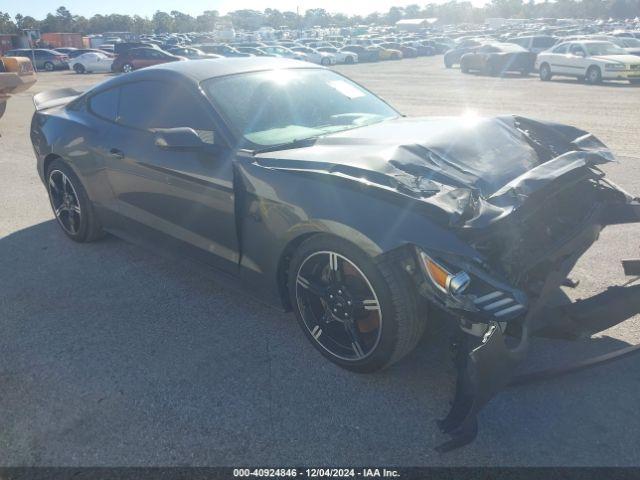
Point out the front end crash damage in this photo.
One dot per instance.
(505, 301)
(527, 197)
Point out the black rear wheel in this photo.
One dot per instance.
(70, 203)
(359, 314)
(545, 72)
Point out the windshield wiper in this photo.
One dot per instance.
(297, 143)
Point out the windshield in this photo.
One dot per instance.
(604, 48)
(275, 107)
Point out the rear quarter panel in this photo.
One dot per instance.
(79, 140)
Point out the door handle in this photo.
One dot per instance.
(115, 153)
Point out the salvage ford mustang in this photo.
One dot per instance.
(320, 198)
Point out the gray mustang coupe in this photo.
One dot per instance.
(318, 197)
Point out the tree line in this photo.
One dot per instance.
(62, 20)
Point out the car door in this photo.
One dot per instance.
(577, 59)
(558, 59)
(177, 199)
(90, 62)
(140, 58)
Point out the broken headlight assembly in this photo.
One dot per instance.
(458, 285)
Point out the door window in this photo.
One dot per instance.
(153, 104)
(577, 50)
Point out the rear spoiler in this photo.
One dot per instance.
(55, 98)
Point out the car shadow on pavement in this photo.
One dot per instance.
(111, 355)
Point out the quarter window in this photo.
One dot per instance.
(105, 104)
(561, 48)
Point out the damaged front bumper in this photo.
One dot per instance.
(491, 343)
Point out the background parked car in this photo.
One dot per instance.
(497, 59)
(284, 52)
(221, 49)
(365, 54)
(142, 57)
(257, 52)
(591, 60)
(407, 51)
(123, 47)
(81, 51)
(387, 53)
(342, 56)
(92, 62)
(192, 53)
(42, 58)
(535, 43)
(452, 57)
(321, 58)
(65, 50)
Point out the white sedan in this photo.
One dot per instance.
(313, 55)
(591, 60)
(342, 56)
(92, 62)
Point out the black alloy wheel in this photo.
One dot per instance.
(70, 203)
(338, 305)
(359, 313)
(64, 201)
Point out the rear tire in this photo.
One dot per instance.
(79, 68)
(385, 332)
(545, 72)
(70, 203)
(127, 68)
(463, 67)
(49, 67)
(325, 62)
(349, 60)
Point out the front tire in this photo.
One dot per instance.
(545, 72)
(70, 204)
(325, 62)
(359, 313)
(594, 75)
(49, 67)
(127, 68)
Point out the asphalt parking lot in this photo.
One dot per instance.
(110, 355)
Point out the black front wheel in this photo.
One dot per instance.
(70, 204)
(360, 314)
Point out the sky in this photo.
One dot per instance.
(87, 8)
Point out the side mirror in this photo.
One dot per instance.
(182, 138)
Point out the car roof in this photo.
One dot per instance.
(195, 71)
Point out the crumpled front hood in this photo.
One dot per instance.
(450, 162)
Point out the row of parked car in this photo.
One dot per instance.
(591, 58)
